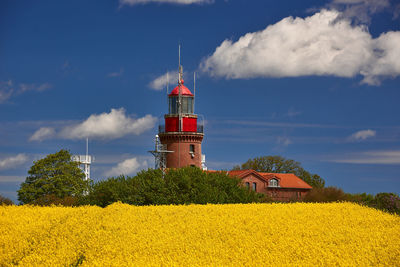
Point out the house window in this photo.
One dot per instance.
(191, 149)
(254, 186)
(247, 185)
(273, 183)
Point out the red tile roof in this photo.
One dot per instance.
(286, 180)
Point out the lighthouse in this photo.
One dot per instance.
(178, 143)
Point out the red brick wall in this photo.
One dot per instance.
(286, 194)
(276, 193)
(181, 156)
(260, 188)
(180, 144)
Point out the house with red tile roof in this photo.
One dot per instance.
(278, 186)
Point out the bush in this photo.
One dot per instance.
(178, 186)
(388, 202)
(5, 201)
(362, 199)
(106, 192)
(48, 200)
(326, 194)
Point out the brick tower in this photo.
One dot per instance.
(181, 136)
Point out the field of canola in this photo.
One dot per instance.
(237, 234)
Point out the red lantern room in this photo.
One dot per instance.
(181, 135)
(188, 118)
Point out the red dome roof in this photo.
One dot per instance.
(184, 91)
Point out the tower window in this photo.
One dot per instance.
(254, 186)
(173, 105)
(247, 185)
(191, 149)
(187, 103)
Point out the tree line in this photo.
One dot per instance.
(58, 180)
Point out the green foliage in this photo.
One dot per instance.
(388, 202)
(54, 177)
(5, 201)
(278, 164)
(178, 186)
(363, 199)
(326, 194)
(48, 200)
(106, 192)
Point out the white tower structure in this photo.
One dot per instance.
(84, 161)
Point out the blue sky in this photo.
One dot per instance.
(313, 81)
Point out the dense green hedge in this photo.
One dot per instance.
(389, 202)
(177, 186)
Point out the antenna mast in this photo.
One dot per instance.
(179, 103)
(180, 70)
(167, 81)
(167, 88)
(194, 89)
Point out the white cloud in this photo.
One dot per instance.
(360, 10)
(127, 167)
(12, 162)
(24, 87)
(362, 135)
(321, 44)
(292, 113)
(116, 74)
(42, 133)
(160, 82)
(396, 11)
(6, 90)
(108, 126)
(5, 95)
(371, 157)
(178, 2)
(249, 123)
(385, 63)
(283, 141)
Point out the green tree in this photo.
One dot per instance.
(106, 192)
(278, 164)
(54, 177)
(178, 186)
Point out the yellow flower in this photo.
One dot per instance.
(199, 235)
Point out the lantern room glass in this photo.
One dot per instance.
(187, 105)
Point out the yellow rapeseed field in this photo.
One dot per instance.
(239, 234)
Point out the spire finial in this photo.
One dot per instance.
(180, 68)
